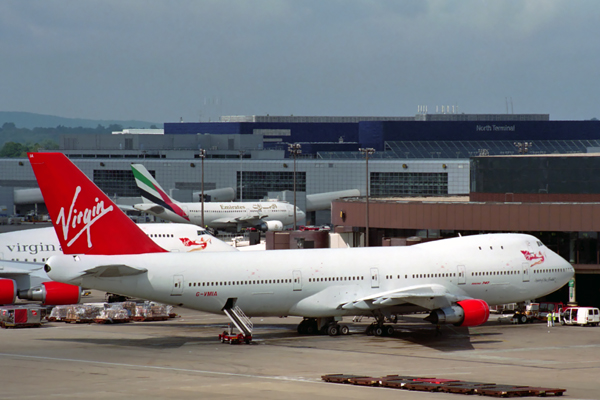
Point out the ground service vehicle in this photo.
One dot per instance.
(580, 316)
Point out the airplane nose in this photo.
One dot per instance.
(561, 263)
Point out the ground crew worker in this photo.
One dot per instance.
(550, 320)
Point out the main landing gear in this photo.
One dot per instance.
(378, 328)
(323, 326)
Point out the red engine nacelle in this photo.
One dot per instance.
(53, 294)
(8, 291)
(471, 312)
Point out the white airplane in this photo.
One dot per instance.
(456, 279)
(23, 253)
(265, 215)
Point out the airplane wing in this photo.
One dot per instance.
(113, 271)
(251, 218)
(247, 219)
(427, 296)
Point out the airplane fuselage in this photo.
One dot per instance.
(499, 268)
(228, 215)
(37, 245)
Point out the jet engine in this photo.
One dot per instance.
(53, 294)
(471, 312)
(8, 291)
(271, 226)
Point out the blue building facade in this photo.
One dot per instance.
(413, 139)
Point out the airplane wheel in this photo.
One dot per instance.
(333, 330)
(310, 329)
(389, 330)
(378, 331)
(305, 326)
(302, 328)
(344, 330)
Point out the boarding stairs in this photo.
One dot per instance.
(239, 319)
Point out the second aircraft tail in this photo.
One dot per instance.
(152, 192)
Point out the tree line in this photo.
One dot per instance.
(16, 142)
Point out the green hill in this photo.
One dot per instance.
(32, 120)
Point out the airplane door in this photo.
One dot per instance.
(177, 285)
(374, 277)
(297, 275)
(525, 268)
(462, 275)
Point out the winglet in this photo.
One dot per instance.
(85, 219)
(153, 193)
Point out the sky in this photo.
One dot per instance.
(166, 61)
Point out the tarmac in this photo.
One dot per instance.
(182, 358)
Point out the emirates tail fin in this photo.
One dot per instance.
(85, 219)
(153, 193)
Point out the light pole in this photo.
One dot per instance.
(295, 149)
(367, 151)
(241, 176)
(202, 156)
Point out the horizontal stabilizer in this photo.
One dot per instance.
(8, 267)
(113, 271)
(125, 207)
(149, 207)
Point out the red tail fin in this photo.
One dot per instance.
(85, 219)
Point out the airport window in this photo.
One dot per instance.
(117, 182)
(257, 184)
(386, 184)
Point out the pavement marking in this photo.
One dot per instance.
(72, 360)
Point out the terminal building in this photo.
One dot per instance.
(430, 176)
